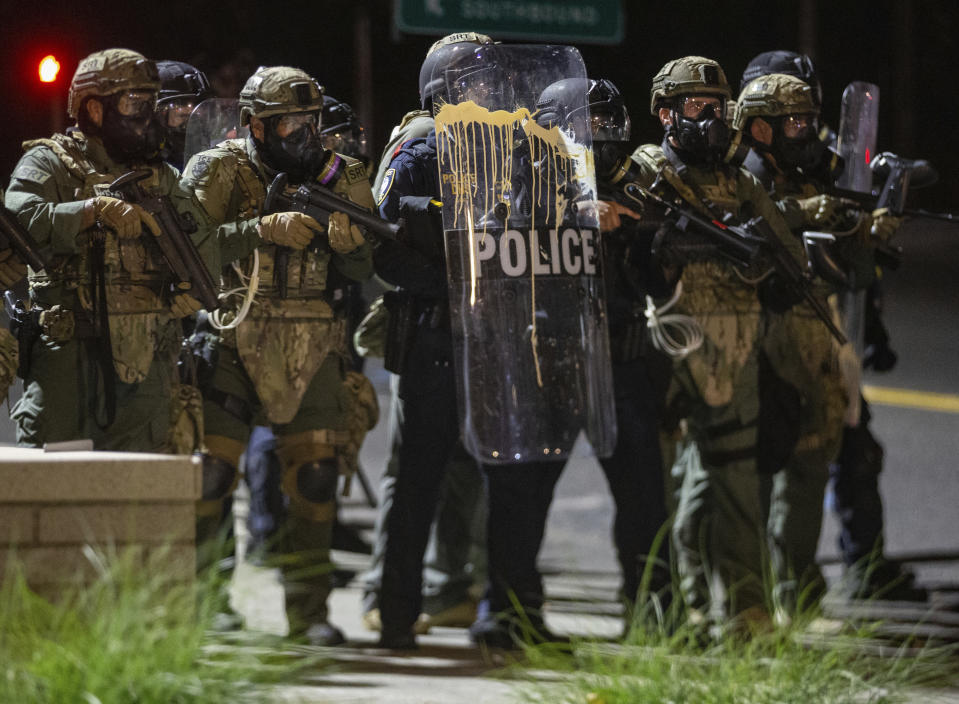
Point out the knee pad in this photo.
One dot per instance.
(316, 481)
(312, 489)
(219, 478)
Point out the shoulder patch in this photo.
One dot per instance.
(26, 172)
(201, 167)
(385, 186)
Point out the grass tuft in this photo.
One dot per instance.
(133, 634)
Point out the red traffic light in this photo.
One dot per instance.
(49, 68)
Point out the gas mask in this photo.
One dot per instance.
(129, 131)
(300, 153)
(804, 152)
(704, 137)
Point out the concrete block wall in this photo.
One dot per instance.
(55, 506)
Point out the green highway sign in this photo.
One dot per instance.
(583, 21)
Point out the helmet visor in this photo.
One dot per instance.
(175, 113)
(610, 126)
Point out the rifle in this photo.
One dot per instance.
(900, 174)
(700, 232)
(174, 241)
(14, 236)
(741, 244)
(319, 203)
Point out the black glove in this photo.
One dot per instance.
(423, 216)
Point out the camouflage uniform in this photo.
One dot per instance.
(52, 190)
(285, 365)
(719, 523)
(12, 271)
(9, 358)
(803, 354)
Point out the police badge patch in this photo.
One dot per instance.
(385, 186)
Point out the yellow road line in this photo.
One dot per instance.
(925, 400)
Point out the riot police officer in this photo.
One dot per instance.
(103, 331)
(640, 372)
(714, 388)
(855, 471)
(281, 360)
(341, 132)
(182, 88)
(804, 397)
(452, 567)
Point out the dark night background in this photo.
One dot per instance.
(907, 48)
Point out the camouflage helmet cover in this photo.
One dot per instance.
(772, 96)
(690, 75)
(111, 71)
(279, 90)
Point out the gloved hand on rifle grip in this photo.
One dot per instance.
(293, 230)
(12, 268)
(127, 220)
(883, 224)
(831, 213)
(183, 304)
(344, 236)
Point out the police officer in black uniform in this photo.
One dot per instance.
(519, 496)
(182, 88)
(640, 372)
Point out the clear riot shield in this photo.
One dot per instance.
(211, 122)
(523, 257)
(858, 127)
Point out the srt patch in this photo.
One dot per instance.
(25, 172)
(355, 172)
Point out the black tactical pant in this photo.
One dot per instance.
(855, 476)
(519, 495)
(635, 471)
(428, 430)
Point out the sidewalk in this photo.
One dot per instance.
(446, 669)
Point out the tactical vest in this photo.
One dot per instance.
(136, 276)
(307, 269)
(284, 341)
(713, 285)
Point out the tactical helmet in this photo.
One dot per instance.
(440, 55)
(603, 106)
(279, 90)
(181, 80)
(772, 96)
(111, 71)
(788, 62)
(690, 75)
